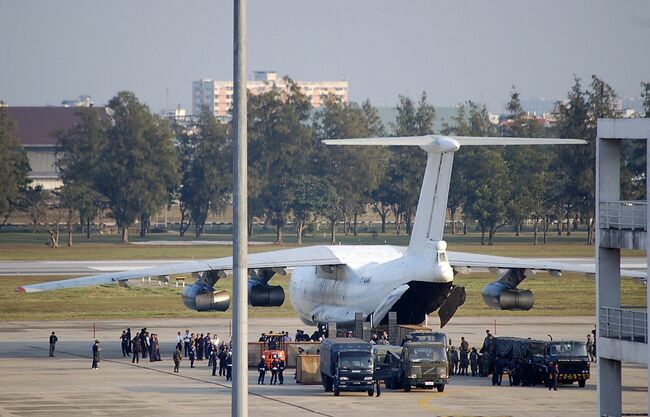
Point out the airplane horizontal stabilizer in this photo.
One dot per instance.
(428, 140)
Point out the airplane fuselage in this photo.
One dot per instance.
(366, 277)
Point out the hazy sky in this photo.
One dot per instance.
(455, 50)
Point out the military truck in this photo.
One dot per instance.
(572, 361)
(347, 364)
(421, 363)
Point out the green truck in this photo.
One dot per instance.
(420, 362)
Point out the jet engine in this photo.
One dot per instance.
(261, 294)
(200, 297)
(503, 293)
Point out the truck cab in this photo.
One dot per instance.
(347, 364)
(572, 360)
(424, 365)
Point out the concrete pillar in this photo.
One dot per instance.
(608, 275)
(647, 245)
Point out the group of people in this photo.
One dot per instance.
(142, 345)
(463, 358)
(197, 347)
(276, 366)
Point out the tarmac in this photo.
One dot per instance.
(32, 384)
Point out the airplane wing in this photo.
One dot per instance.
(463, 262)
(288, 258)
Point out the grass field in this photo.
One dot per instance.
(570, 295)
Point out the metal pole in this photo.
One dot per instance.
(240, 217)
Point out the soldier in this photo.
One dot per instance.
(473, 360)
(453, 360)
(274, 370)
(552, 376)
(125, 344)
(128, 336)
(213, 359)
(192, 353)
(96, 350)
(464, 360)
(261, 367)
(229, 367)
(498, 372)
(222, 361)
(53, 340)
(590, 349)
(177, 357)
(281, 370)
(137, 348)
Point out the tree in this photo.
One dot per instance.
(281, 148)
(78, 152)
(407, 163)
(340, 164)
(206, 169)
(14, 168)
(35, 205)
(645, 94)
(139, 164)
(310, 196)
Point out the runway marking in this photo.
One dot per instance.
(424, 403)
(193, 379)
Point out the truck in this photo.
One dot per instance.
(421, 362)
(347, 364)
(572, 361)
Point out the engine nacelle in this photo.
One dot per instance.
(264, 295)
(204, 298)
(499, 296)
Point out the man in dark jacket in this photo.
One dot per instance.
(281, 370)
(124, 340)
(137, 348)
(473, 361)
(96, 350)
(229, 367)
(222, 361)
(53, 340)
(274, 370)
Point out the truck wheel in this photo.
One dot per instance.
(582, 382)
(337, 392)
(371, 392)
(440, 387)
(407, 386)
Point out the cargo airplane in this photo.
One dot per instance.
(329, 284)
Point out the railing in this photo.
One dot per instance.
(618, 323)
(623, 215)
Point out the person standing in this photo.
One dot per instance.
(590, 349)
(186, 342)
(281, 370)
(124, 341)
(192, 354)
(552, 376)
(137, 348)
(96, 349)
(213, 359)
(473, 361)
(229, 367)
(177, 357)
(143, 343)
(261, 367)
(274, 370)
(53, 340)
(129, 338)
(453, 359)
(377, 387)
(222, 360)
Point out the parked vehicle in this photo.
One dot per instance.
(347, 364)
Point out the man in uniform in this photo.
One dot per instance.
(281, 370)
(229, 367)
(222, 361)
(590, 349)
(261, 367)
(552, 376)
(53, 340)
(186, 342)
(177, 357)
(125, 344)
(213, 359)
(274, 370)
(473, 361)
(96, 350)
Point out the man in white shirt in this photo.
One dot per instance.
(186, 342)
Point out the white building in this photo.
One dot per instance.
(217, 95)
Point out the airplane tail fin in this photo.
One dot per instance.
(432, 205)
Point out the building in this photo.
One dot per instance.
(217, 96)
(35, 128)
(622, 331)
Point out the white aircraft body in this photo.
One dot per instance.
(329, 284)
